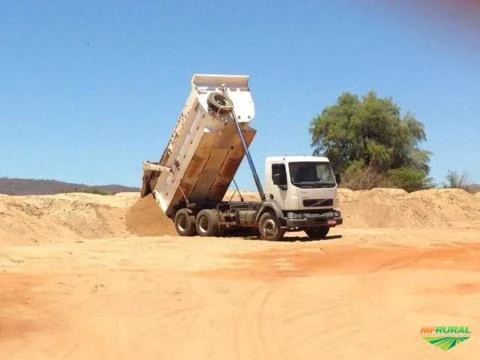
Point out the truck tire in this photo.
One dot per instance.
(184, 223)
(269, 227)
(219, 103)
(207, 223)
(317, 233)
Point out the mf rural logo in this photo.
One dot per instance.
(445, 337)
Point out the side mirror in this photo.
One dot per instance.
(338, 178)
(280, 181)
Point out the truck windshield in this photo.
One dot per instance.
(311, 174)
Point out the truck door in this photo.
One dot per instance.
(277, 189)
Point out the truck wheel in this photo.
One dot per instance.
(317, 233)
(184, 223)
(269, 227)
(219, 103)
(207, 223)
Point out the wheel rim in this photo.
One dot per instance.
(270, 228)
(220, 100)
(203, 224)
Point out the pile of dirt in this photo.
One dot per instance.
(145, 218)
(62, 216)
(397, 208)
(72, 216)
(78, 215)
(245, 195)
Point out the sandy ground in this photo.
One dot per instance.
(87, 286)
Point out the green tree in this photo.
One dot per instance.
(371, 144)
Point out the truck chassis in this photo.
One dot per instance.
(263, 218)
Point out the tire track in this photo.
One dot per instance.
(255, 325)
(379, 318)
(317, 327)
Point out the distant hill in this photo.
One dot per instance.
(13, 186)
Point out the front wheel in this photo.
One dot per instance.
(317, 233)
(269, 227)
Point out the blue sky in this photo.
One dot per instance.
(90, 89)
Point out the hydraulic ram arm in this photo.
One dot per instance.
(249, 158)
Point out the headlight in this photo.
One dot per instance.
(292, 215)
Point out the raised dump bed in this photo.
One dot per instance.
(205, 149)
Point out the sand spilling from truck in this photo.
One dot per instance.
(78, 215)
(145, 218)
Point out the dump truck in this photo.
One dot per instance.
(210, 139)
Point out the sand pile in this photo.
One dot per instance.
(397, 208)
(72, 216)
(77, 215)
(246, 195)
(145, 218)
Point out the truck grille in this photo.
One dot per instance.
(317, 202)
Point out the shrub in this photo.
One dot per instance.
(409, 179)
(360, 177)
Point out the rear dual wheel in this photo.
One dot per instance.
(185, 222)
(207, 223)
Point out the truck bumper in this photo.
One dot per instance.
(307, 220)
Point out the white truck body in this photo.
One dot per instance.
(209, 141)
(204, 152)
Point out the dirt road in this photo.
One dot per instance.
(361, 294)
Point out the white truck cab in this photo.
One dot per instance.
(305, 189)
(300, 183)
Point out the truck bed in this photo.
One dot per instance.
(204, 151)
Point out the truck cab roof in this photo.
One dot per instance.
(297, 158)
